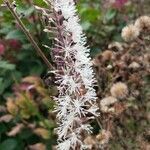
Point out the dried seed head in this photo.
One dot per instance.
(116, 46)
(106, 102)
(97, 61)
(107, 55)
(119, 90)
(121, 65)
(109, 67)
(143, 22)
(147, 58)
(90, 141)
(130, 33)
(119, 108)
(103, 137)
(134, 65)
(135, 78)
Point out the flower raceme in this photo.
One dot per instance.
(76, 102)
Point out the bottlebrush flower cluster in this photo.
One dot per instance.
(75, 77)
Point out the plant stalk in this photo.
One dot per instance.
(28, 34)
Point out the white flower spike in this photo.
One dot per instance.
(76, 102)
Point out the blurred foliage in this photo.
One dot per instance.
(103, 20)
(26, 115)
(25, 103)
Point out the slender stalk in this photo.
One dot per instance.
(28, 34)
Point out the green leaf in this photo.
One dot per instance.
(5, 83)
(9, 144)
(25, 134)
(110, 14)
(86, 25)
(6, 28)
(26, 11)
(1, 14)
(37, 68)
(6, 65)
(3, 127)
(1, 1)
(1, 80)
(16, 34)
(89, 14)
(1, 86)
(39, 2)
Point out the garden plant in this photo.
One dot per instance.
(74, 75)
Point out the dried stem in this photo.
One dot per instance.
(28, 34)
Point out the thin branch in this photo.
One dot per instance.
(28, 34)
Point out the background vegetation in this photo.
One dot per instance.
(26, 118)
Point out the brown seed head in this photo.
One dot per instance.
(106, 104)
(119, 90)
(107, 55)
(134, 65)
(90, 141)
(103, 137)
(130, 33)
(143, 23)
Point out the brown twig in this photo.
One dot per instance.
(28, 34)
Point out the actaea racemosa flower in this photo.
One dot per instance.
(76, 102)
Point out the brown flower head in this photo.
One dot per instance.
(106, 104)
(119, 90)
(130, 32)
(103, 137)
(134, 65)
(143, 22)
(90, 141)
(107, 55)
